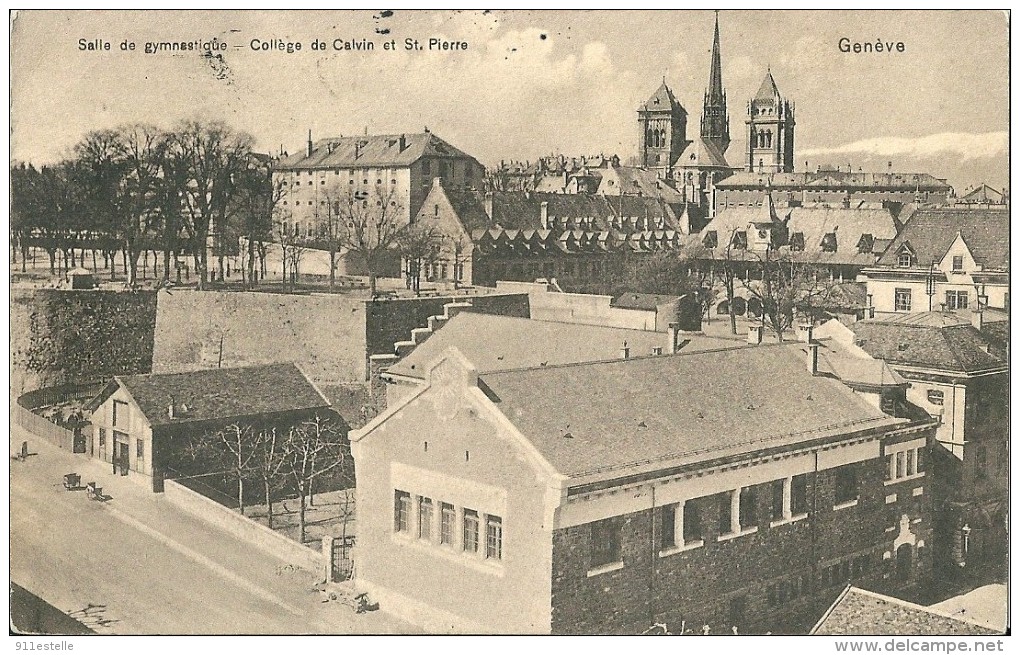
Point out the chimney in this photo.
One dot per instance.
(977, 319)
(488, 204)
(309, 143)
(754, 333)
(871, 311)
(437, 182)
(806, 333)
(170, 408)
(403, 143)
(625, 351)
(673, 337)
(544, 215)
(812, 359)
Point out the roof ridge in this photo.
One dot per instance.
(925, 608)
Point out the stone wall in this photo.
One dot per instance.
(722, 580)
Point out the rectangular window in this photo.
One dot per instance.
(725, 512)
(936, 397)
(692, 522)
(120, 414)
(605, 543)
(493, 537)
(778, 496)
(958, 262)
(748, 508)
(470, 531)
(140, 449)
(902, 300)
(798, 495)
(846, 484)
(668, 527)
(911, 466)
(447, 521)
(401, 511)
(424, 518)
(102, 437)
(957, 300)
(901, 460)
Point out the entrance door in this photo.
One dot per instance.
(121, 457)
(904, 562)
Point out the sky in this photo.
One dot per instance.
(530, 82)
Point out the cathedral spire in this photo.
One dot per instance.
(715, 90)
(715, 123)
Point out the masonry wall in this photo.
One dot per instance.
(736, 581)
(324, 334)
(389, 321)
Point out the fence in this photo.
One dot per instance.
(40, 427)
(59, 436)
(242, 527)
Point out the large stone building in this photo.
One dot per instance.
(543, 501)
(396, 169)
(770, 127)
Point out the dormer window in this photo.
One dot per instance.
(711, 239)
(906, 260)
(829, 242)
(739, 240)
(866, 244)
(797, 241)
(957, 262)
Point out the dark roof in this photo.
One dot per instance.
(499, 343)
(841, 179)
(932, 231)
(634, 180)
(613, 418)
(470, 209)
(371, 150)
(768, 89)
(702, 153)
(522, 210)
(662, 100)
(860, 612)
(646, 301)
(959, 348)
(220, 393)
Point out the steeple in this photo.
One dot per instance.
(715, 123)
(715, 90)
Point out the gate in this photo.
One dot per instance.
(343, 565)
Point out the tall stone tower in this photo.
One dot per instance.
(715, 123)
(663, 125)
(770, 124)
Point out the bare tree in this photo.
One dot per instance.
(371, 223)
(419, 244)
(292, 250)
(240, 445)
(270, 463)
(214, 155)
(255, 206)
(785, 287)
(332, 228)
(316, 447)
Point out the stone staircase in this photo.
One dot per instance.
(401, 349)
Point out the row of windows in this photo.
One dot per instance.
(139, 444)
(458, 527)
(954, 299)
(838, 574)
(904, 464)
(906, 260)
(378, 181)
(682, 524)
(438, 271)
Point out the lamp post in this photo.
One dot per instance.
(965, 530)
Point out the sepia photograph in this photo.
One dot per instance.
(510, 322)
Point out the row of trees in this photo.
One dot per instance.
(281, 460)
(782, 286)
(138, 187)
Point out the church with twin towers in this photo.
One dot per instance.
(694, 163)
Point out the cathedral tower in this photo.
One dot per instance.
(715, 123)
(770, 124)
(663, 124)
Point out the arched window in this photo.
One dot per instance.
(662, 138)
(650, 138)
(768, 139)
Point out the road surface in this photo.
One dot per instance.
(136, 564)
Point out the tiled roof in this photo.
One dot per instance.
(523, 210)
(984, 193)
(839, 179)
(222, 393)
(813, 224)
(948, 348)
(932, 231)
(859, 371)
(499, 343)
(860, 612)
(470, 208)
(634, 180)
(613, 418)
(662, 100)
(378, 150)
(768, 89)
(648, 301)
(703, 154)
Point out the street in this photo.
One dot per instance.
(137, 564)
